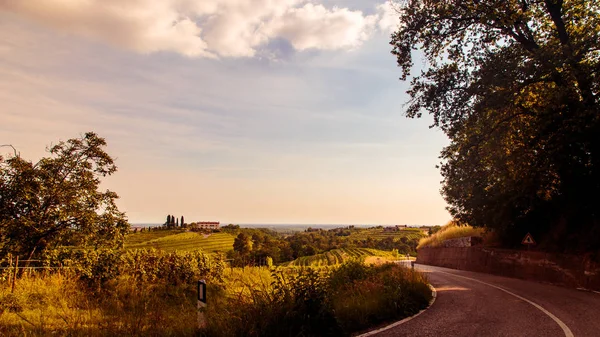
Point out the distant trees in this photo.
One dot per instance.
(434, 229)
(57, 200)
(172, 221)
(252, 246)
(242, 244)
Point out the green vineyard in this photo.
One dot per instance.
(378, 234)
(170, 240)
(338, 256)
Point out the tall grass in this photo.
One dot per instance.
(63, 305)
(247, 302)
(315, 302)
(449, 231)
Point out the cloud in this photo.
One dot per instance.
(314, 26)
(388, 16)
(206, 28)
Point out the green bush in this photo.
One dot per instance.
(99, 266)
(351, 298)
(362, 296)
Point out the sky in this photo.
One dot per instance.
(239, 111)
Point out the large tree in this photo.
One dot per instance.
(514, 85)
(57, 200)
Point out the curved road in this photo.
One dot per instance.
(474, 304)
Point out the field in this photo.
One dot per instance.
(379, 233)
(338, 256)
(171, 240)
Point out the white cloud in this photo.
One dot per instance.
(314, 26)
(388, 16)
(141, 25)
(206, 28)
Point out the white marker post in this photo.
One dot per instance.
(201, 304)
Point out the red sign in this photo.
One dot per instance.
(528, 240)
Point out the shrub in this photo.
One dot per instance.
(362, 296)
(317, 303)
(449, 231)
(98, 266)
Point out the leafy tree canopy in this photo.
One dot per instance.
(57, 201)
(514, 85)
(242, 244)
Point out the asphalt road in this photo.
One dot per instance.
(474, 304)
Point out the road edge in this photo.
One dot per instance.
(395, 324)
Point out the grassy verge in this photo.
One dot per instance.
(449, 231)
(245, 302)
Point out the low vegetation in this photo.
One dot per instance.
(339, 256)
(174, 239)
(256, 246)
(447, 232)
(250, 302)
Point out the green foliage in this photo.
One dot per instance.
(362, 296)
(57, 200)
(515, 87)
(338, 256)
(99, 266)
(434, 230)
(311, 303)
(255, 245)
(62, 305)
(242, 244)
(153, 293)
(176, 239)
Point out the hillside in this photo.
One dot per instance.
(338, 256)
(171, 240)
(380, 233)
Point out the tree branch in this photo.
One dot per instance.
(17, 154)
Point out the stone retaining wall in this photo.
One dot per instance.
(561, 269)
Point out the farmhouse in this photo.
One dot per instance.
(208, 225)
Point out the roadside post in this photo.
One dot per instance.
(14, 275)
(201, 304)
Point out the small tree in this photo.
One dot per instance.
(182, 222)
(168, 223)
(242, 244)
(57, 201)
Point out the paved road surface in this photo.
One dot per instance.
(471, 304)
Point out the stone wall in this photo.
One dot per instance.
(561, 269)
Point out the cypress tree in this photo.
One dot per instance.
(182, 223)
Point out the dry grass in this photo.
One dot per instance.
(449, 231)
(63, 306)
(250, 302)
